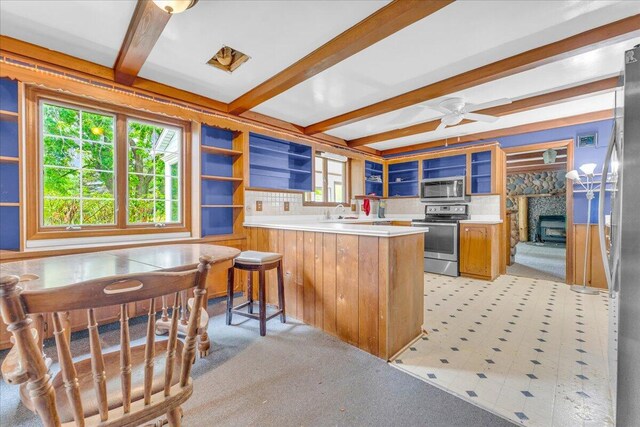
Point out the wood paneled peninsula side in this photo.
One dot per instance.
(360, 283)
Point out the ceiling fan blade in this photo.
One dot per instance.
(476, 107)
(480, 117)
(441, 126)
(439, 108)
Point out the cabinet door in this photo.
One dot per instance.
(474, 250)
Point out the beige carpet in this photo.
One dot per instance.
(543, 262)
(295, 376)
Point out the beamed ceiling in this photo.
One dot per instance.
(364, 72)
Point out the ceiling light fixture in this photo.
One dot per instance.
(175, 6)
(549, 156)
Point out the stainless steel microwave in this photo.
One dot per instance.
(443, 190)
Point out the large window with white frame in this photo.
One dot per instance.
(107, 171)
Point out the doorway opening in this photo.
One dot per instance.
(540, 211)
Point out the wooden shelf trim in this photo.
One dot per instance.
(222, 151)
(9, 159)
(221, 178)
(12, 204)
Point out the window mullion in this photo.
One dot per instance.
(121, 170)
(325, 180)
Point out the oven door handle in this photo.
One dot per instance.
(437, 224)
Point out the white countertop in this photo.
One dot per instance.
(482, 219)
(331, 226)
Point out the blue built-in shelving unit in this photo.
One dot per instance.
(9, 167)
(481, 172)
(219, 184)
(373, 169)
(403, 179)
(278, 164)
(444, 167)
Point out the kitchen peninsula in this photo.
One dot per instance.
(360, 283)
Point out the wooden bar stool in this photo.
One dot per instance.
(251, 261)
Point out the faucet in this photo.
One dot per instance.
(340, 207)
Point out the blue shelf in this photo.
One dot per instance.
(481, 172)
(281, 169)
(9, 170)
(280, 153)
(373, 169)
(279, 164)
(215, 137)
(408, 171)
(8, 137)
(403, 182)
(9, 228)
(216, 221)
(215, 164)
(8, 95)
(445, 167)
(402, 170)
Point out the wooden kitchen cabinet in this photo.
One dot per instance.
(479, 250)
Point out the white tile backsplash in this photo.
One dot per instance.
(273, 204)
(483, 206)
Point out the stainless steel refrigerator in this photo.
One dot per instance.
(621, 254)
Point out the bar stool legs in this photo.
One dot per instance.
(230, 280)
(262, 300)
(283, 317)
(261, 316)
(250, 290)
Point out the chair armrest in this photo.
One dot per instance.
(12, 370)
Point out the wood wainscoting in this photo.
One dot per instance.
(595, 267)
(367, 291)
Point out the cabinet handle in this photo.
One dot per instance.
(466, 229)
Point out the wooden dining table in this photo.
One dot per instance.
(65, 270)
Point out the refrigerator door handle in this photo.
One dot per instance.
(601, 225)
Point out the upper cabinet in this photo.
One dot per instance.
(373, 178)
(445, 167)
(481, 172)
(403, 179)
(478, 164)
(278, 164)
(221, 179)
(9, 166)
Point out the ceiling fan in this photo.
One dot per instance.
(455, 110)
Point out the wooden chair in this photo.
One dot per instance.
(119, 388)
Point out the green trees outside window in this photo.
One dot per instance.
(78, 167)
(80, 173)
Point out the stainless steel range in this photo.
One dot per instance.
(441, 240)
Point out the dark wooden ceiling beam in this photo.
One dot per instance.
(580, 43)
(147, 23)
(515, 130)
(525, 104)
(384, 22)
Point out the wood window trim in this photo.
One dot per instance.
(35, 231)
(347, 187)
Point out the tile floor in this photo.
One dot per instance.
(526, 349)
